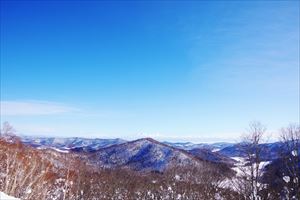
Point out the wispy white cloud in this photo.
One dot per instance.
(15, 108)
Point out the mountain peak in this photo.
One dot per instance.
(149, 139)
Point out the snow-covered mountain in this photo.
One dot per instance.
(143, 154)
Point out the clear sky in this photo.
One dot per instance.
(166, 69)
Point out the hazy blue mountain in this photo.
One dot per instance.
(189, 145)
(70, 143)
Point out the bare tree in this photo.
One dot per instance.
(290, 138)
(7, 130)
(248, 180)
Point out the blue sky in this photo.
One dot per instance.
(170, 70)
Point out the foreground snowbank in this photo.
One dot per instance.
(4, 196)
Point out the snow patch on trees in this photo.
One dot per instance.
(295, 153)
(286, 179)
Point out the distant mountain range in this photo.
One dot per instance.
(143, 154)
(70, 143)
(148, 154)
(96, 143)
(189, 145)
(89, 145)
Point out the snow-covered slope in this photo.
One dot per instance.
(4, 196)
(208, 155)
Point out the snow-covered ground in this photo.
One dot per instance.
(240, 167)
(4, 196)
(240, 170)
